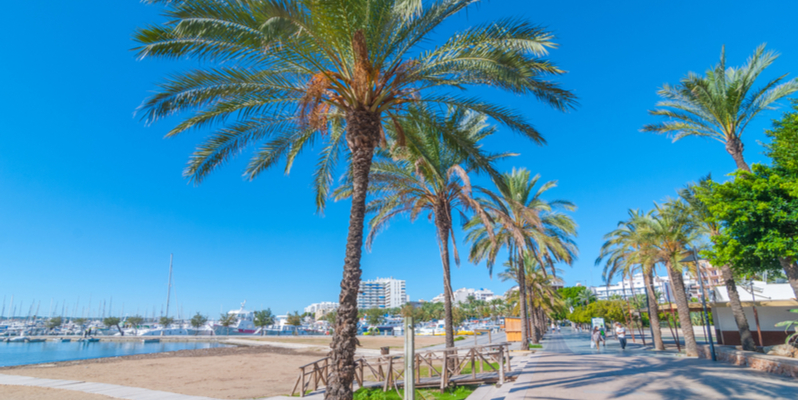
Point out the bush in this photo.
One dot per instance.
(458, 338)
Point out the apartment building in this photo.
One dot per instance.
(461, 295)
(382, 293)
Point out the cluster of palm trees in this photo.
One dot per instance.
(717, 105)
(351, 77)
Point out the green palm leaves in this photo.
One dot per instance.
(720, 104)
(524, 220)
(291, 71)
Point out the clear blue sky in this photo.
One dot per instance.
(92, 202)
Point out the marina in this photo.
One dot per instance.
(41, 351)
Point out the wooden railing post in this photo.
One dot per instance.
(502, 368)
(445, 373)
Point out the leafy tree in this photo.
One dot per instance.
(165, 322)
(79, 321)
(226, 320)
(295, 72)
(783, 147)
(134, 322)
(295, 320)
(197, 321)
(54, 322)
(720, 104)
(113, 321)
(759, 223)
(263, 319)
(330, 318)
(374, 316)
(758, 210)
(431, 175)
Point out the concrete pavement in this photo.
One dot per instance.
(568, 368)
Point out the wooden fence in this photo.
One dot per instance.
(460, 366)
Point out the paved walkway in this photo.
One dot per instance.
(118, 391)
(568, 368)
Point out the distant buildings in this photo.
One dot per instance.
(325, 306)
(660, 284)
(461, 295)
(382, 293)
(712, 277)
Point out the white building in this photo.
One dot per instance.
(660, 283)
(773, 303)
(324, 306)
(382, 293)
(461, 295)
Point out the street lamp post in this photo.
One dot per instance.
(694, 258)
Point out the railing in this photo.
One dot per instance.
(442, 367)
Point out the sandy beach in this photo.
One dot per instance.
(243, 372)
(224, 373)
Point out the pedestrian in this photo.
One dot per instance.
(553, 327)
(597, 337)
(621, 335)
(558, 328)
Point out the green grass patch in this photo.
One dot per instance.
(451, 393)
(535, 346)
(458, 338)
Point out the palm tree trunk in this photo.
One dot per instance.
(362, 133)
(523, 304)
(641, 325)
(735, 148)
(535, 331)
(655, 323)
(790, 267)
(679, 290)
(443, 226)
(745, 336)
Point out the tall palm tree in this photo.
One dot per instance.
(539, 287)
(720, 104)
(671, 232)
(703, 216)
(294, 72)
(523, 221)
(626, 251)
(431, 174)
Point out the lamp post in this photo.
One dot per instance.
(693, 257)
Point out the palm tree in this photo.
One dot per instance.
(626, 251)
(263, 319)
(523, 221)
(703, 216)
(670, 233)
(294, 72)
(720, 104)
(430, 174)
(543, 297)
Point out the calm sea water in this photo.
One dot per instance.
(46, 352)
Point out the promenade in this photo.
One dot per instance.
(567, 368)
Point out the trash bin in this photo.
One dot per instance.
(384, 351)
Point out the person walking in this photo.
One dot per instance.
(597, 337)
(621, 335)
(553, 327)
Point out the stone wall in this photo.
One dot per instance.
(773, 364)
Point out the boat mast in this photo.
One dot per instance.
(169, 284)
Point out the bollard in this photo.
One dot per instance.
(409, 359)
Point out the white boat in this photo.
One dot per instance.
(244, 324)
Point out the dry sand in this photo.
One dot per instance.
(367, 342)
(223, 373)
(8, 392)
